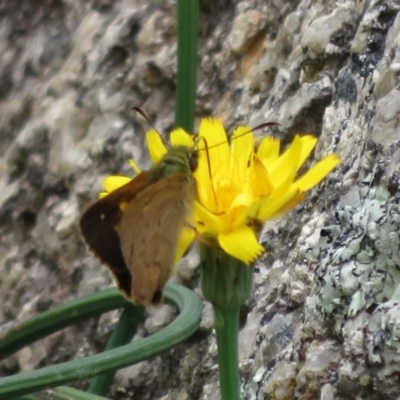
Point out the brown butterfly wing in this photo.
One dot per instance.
(149, 232)
(98, 228)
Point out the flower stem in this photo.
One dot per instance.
(186, 80)
(227, 330)
(226, 283)
(123, 333)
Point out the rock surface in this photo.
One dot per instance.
(324, 321)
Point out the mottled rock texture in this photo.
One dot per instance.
(324, 320)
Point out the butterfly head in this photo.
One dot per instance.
(178, 160)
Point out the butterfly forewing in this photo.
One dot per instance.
(98, 228)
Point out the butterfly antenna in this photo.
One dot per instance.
(146, 117)
(256, 128)
(265, 125)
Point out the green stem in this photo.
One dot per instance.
(123, 334)
(59, 317)
(181, 328)
(226, 283)
(186, 81)
(227, 329)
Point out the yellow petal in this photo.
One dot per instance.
(285, 169)
(179, 137)
(268, 150)
(242, 244)
(207, 221)
(217, 145)
(243, 199)
(252, 212)
(242, 146)
(317, 172)
(213, 153)
(270, 206)
(259, 179)
(185, 240)
(205, 189)
(134, 166)
(112, 183)
(213, 131)
(155, 145)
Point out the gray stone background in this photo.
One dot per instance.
(324, 321)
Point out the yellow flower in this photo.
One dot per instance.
(250, 183)
(240, 185)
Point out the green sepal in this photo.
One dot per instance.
(226, 282)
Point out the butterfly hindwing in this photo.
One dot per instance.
(149, 230)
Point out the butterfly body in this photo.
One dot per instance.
(135, 229)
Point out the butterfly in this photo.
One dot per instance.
(135, 229)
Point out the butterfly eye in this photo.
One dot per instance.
(193, 162)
